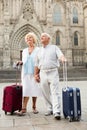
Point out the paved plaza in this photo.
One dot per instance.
(40, 122)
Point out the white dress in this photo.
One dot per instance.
(30, 86)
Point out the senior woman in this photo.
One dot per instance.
(30, 86)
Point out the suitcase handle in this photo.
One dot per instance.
(65, 74)
(18, 68)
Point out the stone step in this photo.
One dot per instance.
(74, 73)
(6, 74)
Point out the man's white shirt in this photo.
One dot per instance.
(48, 57)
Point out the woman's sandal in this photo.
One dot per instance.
(22, 112)
(35, 111)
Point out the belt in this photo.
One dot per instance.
(50, 69)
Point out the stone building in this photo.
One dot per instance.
(64, 20)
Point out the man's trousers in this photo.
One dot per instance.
(49, 80)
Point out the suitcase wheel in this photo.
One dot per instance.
(5, 112)
(65, 117)
(12, 112)
(19, 110)
(79, 118)
(70, 119)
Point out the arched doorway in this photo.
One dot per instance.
(18, 41)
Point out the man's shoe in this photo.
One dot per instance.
(48, 113)
(57, 116)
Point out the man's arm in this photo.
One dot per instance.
(60, 55)
(62, 58)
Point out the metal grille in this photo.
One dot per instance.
(78, 57)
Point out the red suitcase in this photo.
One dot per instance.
(12, 98)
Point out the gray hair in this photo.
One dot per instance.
(46, 34)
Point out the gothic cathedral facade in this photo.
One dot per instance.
(64, 20)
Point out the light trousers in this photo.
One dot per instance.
(50, 89)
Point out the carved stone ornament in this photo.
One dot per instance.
(27, 10)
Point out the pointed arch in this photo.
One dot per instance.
(57, 38)
(75, 15)
(76, 38)
(57, 14)
(18, 40)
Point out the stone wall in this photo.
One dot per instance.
(18, 17)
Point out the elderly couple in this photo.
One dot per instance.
(41, 65)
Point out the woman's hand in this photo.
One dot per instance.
(37, 78)
(36, 74)
(19, 63)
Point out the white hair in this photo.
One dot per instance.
(46, 34)
(31, 34)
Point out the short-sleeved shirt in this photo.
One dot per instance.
(48, 57)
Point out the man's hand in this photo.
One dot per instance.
(63, 59)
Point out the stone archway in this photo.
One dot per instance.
(18, 43)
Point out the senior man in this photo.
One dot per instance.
(47, 62)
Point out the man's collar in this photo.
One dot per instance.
(46, 45)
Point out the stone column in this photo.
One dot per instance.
(6, 47)
(1, 12)
(49, 14)
(14, 9)
(42, 10)
(85, 29)
(68, 34)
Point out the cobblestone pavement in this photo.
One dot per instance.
(40, 122)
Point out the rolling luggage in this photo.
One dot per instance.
(71, 101)
(12, 98)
